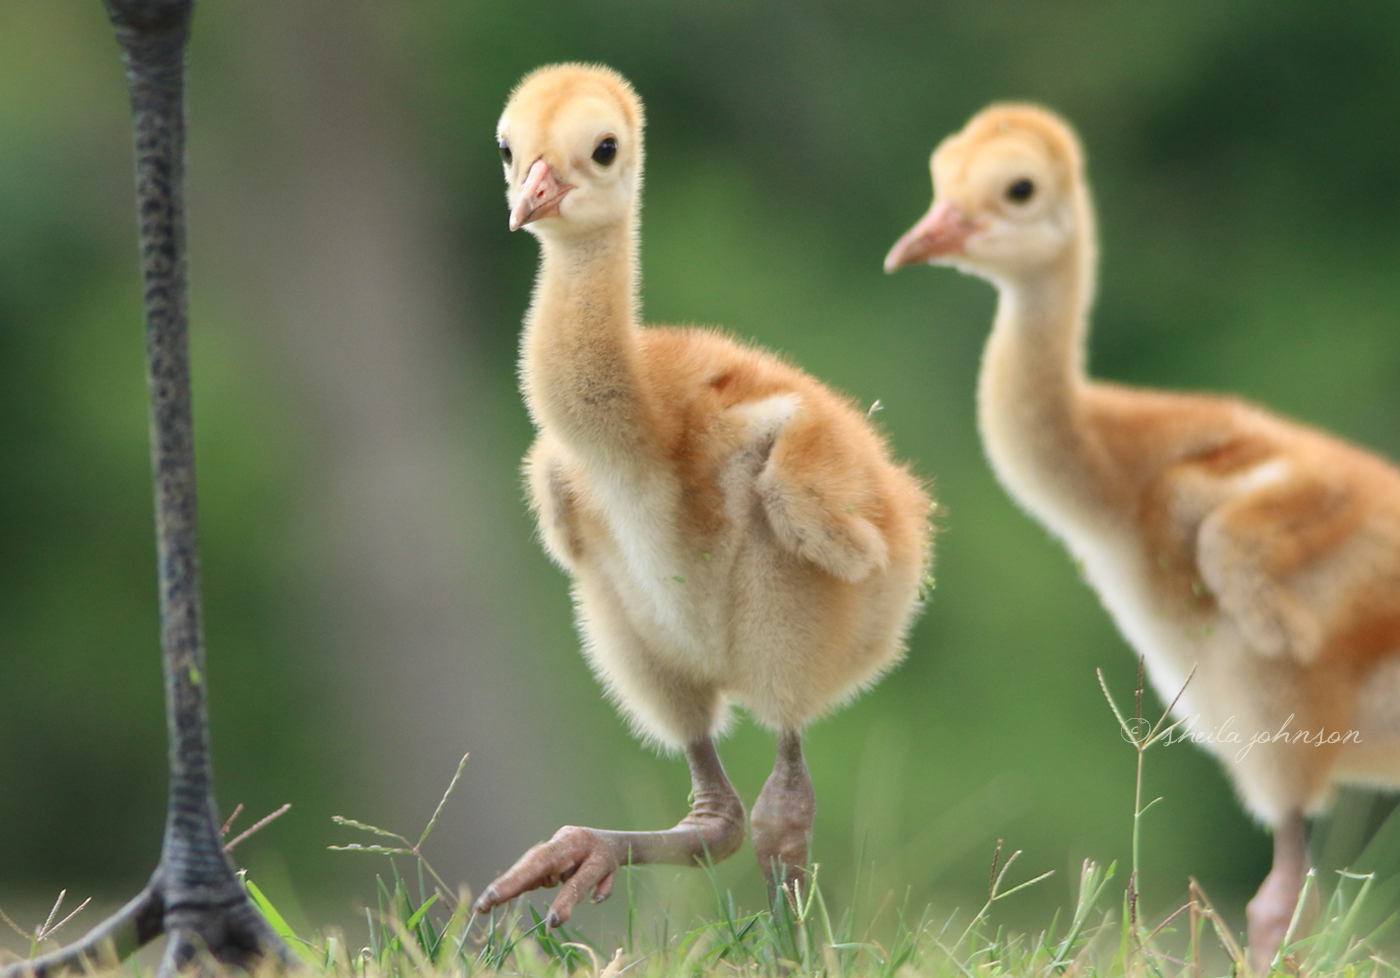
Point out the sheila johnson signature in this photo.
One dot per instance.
(1187, 731)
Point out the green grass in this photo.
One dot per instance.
(419, 930)
(420, 926)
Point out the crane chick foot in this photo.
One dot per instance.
(1269, 914)
(1271, 910)
(782, 817)
(582, 861)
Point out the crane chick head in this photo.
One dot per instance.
(571, 142)
(1008, 196)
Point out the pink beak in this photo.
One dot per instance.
(539, 197)
(940, 232)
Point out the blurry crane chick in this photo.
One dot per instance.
(735, 531)
(1263, 553)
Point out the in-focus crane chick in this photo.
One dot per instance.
(1261, 552)
(735, 531)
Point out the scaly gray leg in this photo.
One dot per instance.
(194, 895)
(587, 860)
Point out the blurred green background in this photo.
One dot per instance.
(376, 603)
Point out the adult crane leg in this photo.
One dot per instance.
(194, 896)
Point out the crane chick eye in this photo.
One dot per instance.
(504, 147)
(606, 152)
(1020, 191)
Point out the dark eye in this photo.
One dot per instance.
(606, 152)
(1020, 191)
(504, 147)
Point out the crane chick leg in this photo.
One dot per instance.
(586, 860)
(782, 816)
(1271, 910)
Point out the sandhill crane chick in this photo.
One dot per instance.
(1264, 553)
(736, 532)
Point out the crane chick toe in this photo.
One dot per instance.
(583, 860)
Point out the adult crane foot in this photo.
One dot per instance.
(227, 929)
(210, 938)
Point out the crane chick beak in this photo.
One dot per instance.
(539, 197)
(939, 233)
